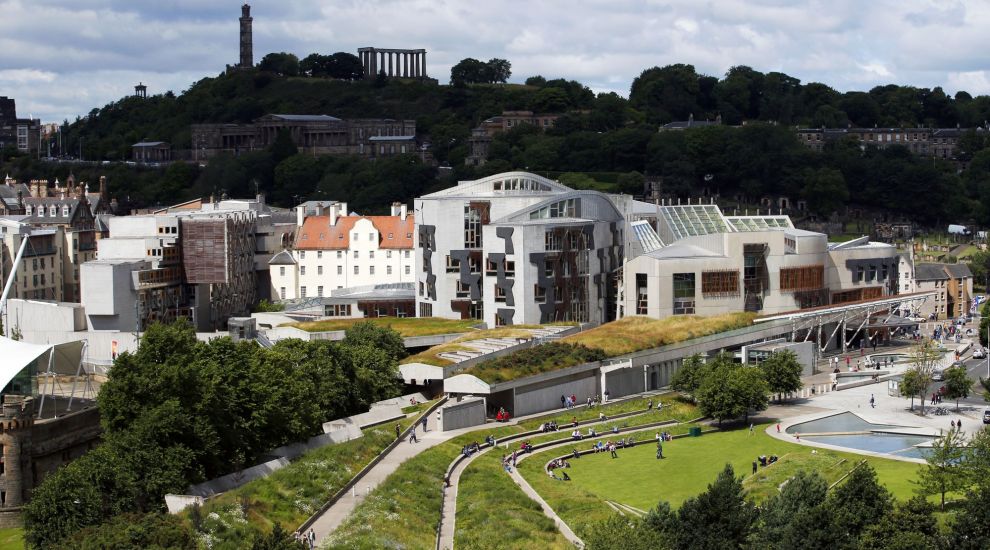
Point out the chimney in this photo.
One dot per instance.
(395, 209)
(403, 211)
(333, 214)
(300, 215)
(103, 189)
(342, 211)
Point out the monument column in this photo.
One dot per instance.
(423, 53)
(405, 58)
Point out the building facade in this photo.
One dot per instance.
(313, 134)
(481, 137)
(333, 250)
(702, 262)
(940, 143)
(517, 248)
(24, 134)
(953, 284)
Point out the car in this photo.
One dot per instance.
(986, 416)
(938, 376)
(980, 353)
(916, 319)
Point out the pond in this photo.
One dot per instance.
(843, 422)
(877, 442)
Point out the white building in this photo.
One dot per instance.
(517, 248)
(703, 262)
(333, 250)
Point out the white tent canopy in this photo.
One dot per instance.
(420, 372)
(466, 384)
(57, 358)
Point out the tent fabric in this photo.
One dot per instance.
(17, 355)
(466, 384)
(420, 372)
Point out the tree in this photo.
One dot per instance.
(718, 518)
(499, 70)
(782, 372)
(468, 71)
(620, 533)
(690, 376)
(925, 359)
(857, 503)
(283, 147)
(977, 458)
(795, 517)
(277, 539)
(825, 190)
(911, 525)
(281, 63)
(731, 391)
(149, 531)
(970, 530)
(943, 473)
(911, 385)
(957, 383)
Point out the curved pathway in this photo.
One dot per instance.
(448, 523)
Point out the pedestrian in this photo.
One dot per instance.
(439, 425)
(424, 424)
(847, 362)
(412, 437)
(312, 538)
(563, 401)
(659, 450)
(611, 448)
(606, 396)
(953, 424)
(778, 427)
(872, 402)
(754, 467)
(750, 428)
(398, 431)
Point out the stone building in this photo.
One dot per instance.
(940, 143)
(151, 152)
(22, 133)
(314, 134)
(481, 136)
(393, 63)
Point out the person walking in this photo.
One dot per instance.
(412, 436)
(659, 449)
(424, 424)
(754, 467)
(611, 448)
(563, 401)
(873, 404)
(398, 431)
(750, 428)
(439, 425)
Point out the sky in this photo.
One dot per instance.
(62, 58)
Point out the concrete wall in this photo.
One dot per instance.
(624, 381)
(545, 396)
(463, 414)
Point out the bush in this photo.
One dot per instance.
(534, 360)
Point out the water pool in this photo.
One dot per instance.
(895, 357)
(894, 444)
(842, 422)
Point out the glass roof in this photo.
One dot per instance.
(647, 237)
(759, 223)
(694, 219)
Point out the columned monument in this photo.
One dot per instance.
(247, 49)
(393, 62)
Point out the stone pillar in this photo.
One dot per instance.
(416, 65)
(423, 73)
(408, 64)
(389, 73)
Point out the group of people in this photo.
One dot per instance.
(560, 464)
(548, 427)
(470, 449)
(763, 461)
(569, 402)
(307, 539)
(502, 415)
(509, 461)
(936, 398)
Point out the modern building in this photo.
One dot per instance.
(696, 260)
(517, 248)
(335, 250)
(314, 134)
(22, 133)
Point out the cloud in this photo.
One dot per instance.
(62, 58)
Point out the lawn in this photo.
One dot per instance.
(633, 334)
(12, 538)
(405, 326)
(403, 511)
(432, 355)
(690, 465)
(534, 360)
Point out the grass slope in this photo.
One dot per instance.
(432, 355)
(405, 326)
(12, 538)
(632, 334)
(638, 479)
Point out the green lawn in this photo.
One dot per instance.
(12, 538)
(638, 479)
(635, 333)
(406, 326)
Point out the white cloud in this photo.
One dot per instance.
(64, 57)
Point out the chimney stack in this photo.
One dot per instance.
(403, 211)
(394, 211)
(332, 211)
(300, 215)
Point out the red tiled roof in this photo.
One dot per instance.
(317, 234)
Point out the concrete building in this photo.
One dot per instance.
(314, 134)
(517, 248)
(953, 284)
(24, 134)
(703, 262)
(334, 250)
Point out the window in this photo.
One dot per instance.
(491, 267)
(354, 237)
(472, 227)
(421, 288)
(355, 254)
(319, 253)
(302, 292)
(388, 254)
(302, 254)
(27, 210)
(683, 293)
(371, 270)
(357, 270)
(302, 270)
(319, 291)
(510, 268)
(499, 294)
(337, 310)
(453, 266)
(340, 270)
(388, 270)
(371, 254)
(547, 268)
(462, 290)
(53, 211)
(551, 240)
(319, 270)
(41, 211)
(281, 271)
(407, 270)
(281, 292)
(809, 277)
(65, 211)
(407, 252)
(371, 237)
(340, 254)
(425, 310)
(642, 298)
(539, 294)
(474, 264)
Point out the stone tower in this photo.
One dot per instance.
(247, 52)
(15, 437)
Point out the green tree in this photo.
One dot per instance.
(795, 517)
(970, 529)
(911, 525)
(620, 533)
(549, 100)
(631, 183)
(149, 531)
(468, 71)
(957, 383)
(731, 391)
(281, 63)
(277, 539)
(943, 472)
(283, 147)
(691, 375)
(498, 70)
(856, 504)
(911, 385)
(825, 190)
(925, 359)
(782, 372)
(720, 517)
(977, 458)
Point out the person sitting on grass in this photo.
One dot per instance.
(574, 421)
(576, 435)
(591, 432)
(575, 453)
(566, 477)
(601, 417)
(615, 429)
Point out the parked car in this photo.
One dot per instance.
(917, 319)
(986, 416)
(980, 353)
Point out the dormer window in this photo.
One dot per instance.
(65, 211)
(41, 211)
(53, 211)
(27, 210)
